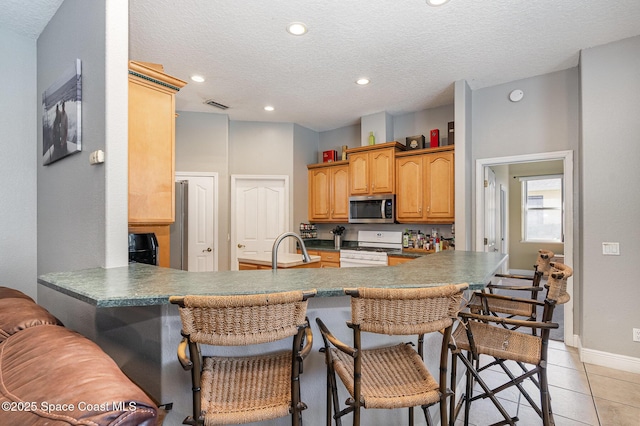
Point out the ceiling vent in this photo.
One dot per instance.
(213, 103)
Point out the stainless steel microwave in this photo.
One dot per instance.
(372, 208)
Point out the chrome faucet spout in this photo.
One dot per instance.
(276, 244)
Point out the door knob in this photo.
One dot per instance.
(240, 245)
(207, 249)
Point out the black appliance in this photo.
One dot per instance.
(143, 248)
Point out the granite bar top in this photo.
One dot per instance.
(145, 285)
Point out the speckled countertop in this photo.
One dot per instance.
(146, 285)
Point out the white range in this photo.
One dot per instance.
(372, 249)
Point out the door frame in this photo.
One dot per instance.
(233, 258)
(216, 215)
(570, 338)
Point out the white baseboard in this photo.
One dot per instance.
(609, 360)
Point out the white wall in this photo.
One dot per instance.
(610, 198)
(18, 220)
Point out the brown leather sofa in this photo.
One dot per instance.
(50, 375)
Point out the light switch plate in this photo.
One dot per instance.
(611, 249)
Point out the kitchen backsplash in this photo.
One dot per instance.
(351, 229)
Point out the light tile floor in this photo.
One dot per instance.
(582, 394)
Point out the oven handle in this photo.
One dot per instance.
(363, 262)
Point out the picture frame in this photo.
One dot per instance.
(62, 116)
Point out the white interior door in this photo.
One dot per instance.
(202, 224)
(490, 210)
(259, 213)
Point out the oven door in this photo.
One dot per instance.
(346, 262)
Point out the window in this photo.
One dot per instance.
(542, 209)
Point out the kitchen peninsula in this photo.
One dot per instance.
(126, 311)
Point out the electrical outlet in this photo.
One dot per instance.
(636, 334)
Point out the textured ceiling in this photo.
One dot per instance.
(413, 53)
(27, 18)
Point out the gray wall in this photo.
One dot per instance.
(305, 147)
(202, 145)
(71, 192)
(610, 198)
(421, 122)
(18, 220)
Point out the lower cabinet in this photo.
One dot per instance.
(328, 259)
(253, 267)
(398, 260)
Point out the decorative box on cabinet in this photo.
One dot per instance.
(151, 143)
(329, 192)
(371, 168)
(425, 186)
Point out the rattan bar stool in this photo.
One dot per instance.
(244, 389)
(502, 305)
(392, 376)
(478, 335)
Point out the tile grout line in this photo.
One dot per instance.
(593, 400)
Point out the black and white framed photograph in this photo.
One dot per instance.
(62, 116)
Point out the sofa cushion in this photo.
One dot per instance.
(50, 375)
(6, 293)
(17, 314)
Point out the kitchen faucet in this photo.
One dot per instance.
(276, 243)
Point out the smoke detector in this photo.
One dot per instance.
(215, 104)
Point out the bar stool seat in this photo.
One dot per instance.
(392, 376)
(244, 389)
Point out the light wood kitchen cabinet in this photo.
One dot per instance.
(151, 152)
(425, 191)
(398, 260)
(371, 168)
(329, 192)
(244, 266)
(151, 144)
(328, 259)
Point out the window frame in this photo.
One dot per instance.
(525, 209)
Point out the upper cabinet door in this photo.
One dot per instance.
(410, 191)
(151, 144)
(340, 193)
(359, 173)
(440, 190)
(319, 194)
(381, 175)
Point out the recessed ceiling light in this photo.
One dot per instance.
(269, 108)
(436, 2)
(296, 28)
(362, 81)
(197, 78)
